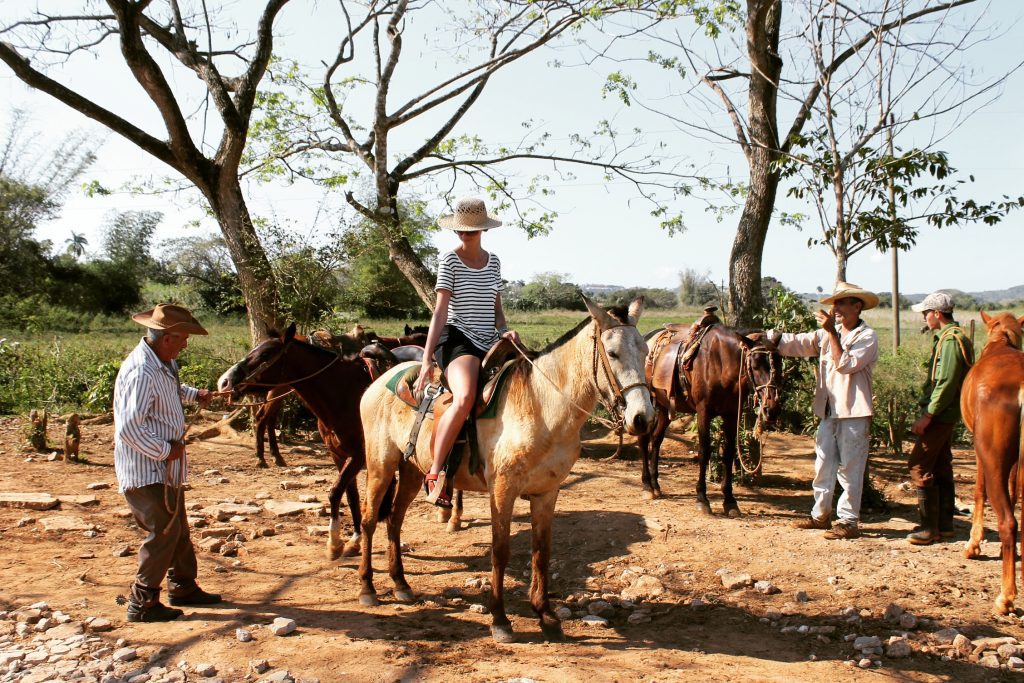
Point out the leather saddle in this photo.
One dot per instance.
(493, 371)
(673, 354)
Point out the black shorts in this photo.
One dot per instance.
(455, 344)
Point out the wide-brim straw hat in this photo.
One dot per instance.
(846, 290)
(170, 318)
(470, 216)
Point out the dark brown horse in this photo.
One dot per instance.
(330, 385)
(726, 368)
(991, 401)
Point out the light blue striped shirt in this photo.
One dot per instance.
(147, 416)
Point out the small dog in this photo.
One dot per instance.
(72, 438)
(37, 430)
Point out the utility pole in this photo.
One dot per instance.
(894, 250)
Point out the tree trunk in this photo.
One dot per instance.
(255, 276)
(762, 31)
(400, 251)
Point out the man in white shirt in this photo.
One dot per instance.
(150, 463)
(847, 349)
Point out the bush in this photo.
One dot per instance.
(897, 389)
(787, 312)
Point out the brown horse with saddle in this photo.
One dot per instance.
(992, 403)
(708, 370)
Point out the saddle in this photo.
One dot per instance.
(673, 354)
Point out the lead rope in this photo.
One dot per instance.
(170, 479)
(741, 417)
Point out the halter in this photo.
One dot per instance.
(262, 367)
(761, 394)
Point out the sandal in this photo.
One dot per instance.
(434, 485)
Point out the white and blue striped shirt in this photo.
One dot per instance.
(147, 417)
(474, 296)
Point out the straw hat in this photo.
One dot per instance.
(170, 318)
(470, 216)
(846, 290)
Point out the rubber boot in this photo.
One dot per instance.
(928, 503)
(947, 500)
(144, 605)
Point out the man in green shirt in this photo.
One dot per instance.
(931, 461)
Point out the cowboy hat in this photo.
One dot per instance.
(470, 216)
(169, 318)
(847, 290)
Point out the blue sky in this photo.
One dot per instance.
(603, 233)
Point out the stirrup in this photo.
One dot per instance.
(435, 487)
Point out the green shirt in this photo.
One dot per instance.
(952, 356)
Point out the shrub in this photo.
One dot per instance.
(897, 389)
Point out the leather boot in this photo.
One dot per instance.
(947, 500)
(144, 605)
(928, 504)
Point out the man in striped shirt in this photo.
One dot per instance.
(149, 459)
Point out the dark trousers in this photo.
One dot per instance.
(931, 461)
(162, 554)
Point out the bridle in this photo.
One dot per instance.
(762, 392)
(270, 362)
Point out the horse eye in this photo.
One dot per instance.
(613, 355)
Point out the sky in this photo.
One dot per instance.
(603, 234)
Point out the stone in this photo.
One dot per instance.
(898, 648)
(231, 509)
(205, 670)
(317, 530)
(732, 580)
(97, 486)
(594, 620)
(279, 676)
(292, 485)
(801, 596)
(100, 625)
(243, 635)
(58, 523)
(644, 587)
(1006, 650)
(259, 665)
(563, 613)
(866, 642)
(28, 615)
(123, 550)
(218, 532)
(308, 498)
(892, 612)
(91, 533)
(908, 621)
(640, 617)
(865, 663)
(773, 614)
(125, 654)
(286, 508)
(766, 587)
(230, 548)
(1015, 663)
(481, 609)
(28, 501)
(601, 608)
(945, 636)
(81, 501)
(282, 626)
(989, 661)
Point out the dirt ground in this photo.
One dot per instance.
(604, 526)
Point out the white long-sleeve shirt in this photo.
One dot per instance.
(148, 415)
(844, 388)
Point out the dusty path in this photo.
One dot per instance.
(606, 536)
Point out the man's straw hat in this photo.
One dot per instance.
(846, 290)
(470, 216)
(170, 318)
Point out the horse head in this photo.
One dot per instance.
(261, 368)
(620, 348)
(764, 372)
(1003, 328)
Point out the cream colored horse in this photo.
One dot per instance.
(527, 449)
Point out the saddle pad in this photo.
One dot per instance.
(486, 404)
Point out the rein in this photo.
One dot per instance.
(758, 391)
(619, 403)
(262, 367)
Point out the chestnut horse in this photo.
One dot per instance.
(330, 385)
(727, 367)
(527, 449)
(991, 402)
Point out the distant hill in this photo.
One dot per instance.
(989, 296)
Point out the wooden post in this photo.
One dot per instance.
(894, 250)
(972, 332)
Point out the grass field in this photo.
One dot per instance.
(63, 371)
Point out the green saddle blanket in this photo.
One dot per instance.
(401, 385)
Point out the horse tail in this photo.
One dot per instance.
(387, 504)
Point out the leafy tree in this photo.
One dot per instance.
(654, 297)
(696, 288)
(154, 37)
(203, 265)
(76, 244)
(549, 290)
(128, 239)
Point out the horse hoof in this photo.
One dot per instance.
(704, 507)
(732, 511)
(553, 633)
(333, 553)
(369, 600)
(502, 633)
(1003, 605)
(262, 464)
(404, 595)
(972, 552)
(351, 549)
(454, 525)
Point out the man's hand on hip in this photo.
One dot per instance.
(177, 451)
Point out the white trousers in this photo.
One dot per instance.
(841, 446)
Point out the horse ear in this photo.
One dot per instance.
(1021, 320)
(408, 330)
(985, 318)
(750, 340)
(604, 321)
(636, 309)
(289, 334)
